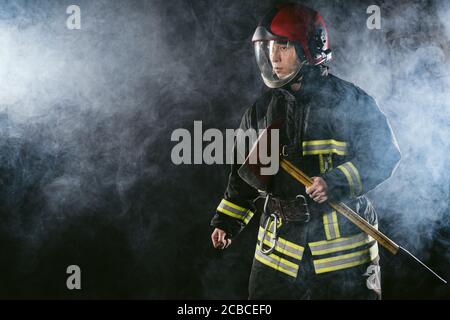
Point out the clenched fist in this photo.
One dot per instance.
(318, 190)
(219, 240)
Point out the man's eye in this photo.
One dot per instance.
(284, 48)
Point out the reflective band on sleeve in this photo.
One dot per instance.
(346, 261)
(283, 246)
(355, 173)
(331, 225)
(341, 244)
(321, 165)
(235, 211)
(276, 263)
(315, 147)
(353, 178)
(248, 217)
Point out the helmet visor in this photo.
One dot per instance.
(278, 61)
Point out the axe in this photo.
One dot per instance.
(251, 173)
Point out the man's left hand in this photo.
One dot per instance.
(318, 190)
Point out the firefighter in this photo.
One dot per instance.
(334, 132)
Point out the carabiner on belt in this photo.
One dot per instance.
(273, 216)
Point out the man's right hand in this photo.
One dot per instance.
(219, 240)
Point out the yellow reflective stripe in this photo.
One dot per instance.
(349, 179)
(325, 225)
(235, 211)
(234, 206)
(335, 224)
(229, 213)
(248, 217)
(285, 249)
(274, 266)
(321, 166)
(330, 162)
(331, 225)
(277, 263)
(353, 177)
(346, 261)
(325, 242)
(328, 141)
(318, 147)
(290, 244)
(341, 244)
(336, 249)
(358, 177)
(284, 241)
(324, 151)
(282, 250)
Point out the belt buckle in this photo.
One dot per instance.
(305, 204)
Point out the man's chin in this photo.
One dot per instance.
(282, 76)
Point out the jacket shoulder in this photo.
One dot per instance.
(342, 85)
(349, 93)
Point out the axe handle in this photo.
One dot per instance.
(343, 209)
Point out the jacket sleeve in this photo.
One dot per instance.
(236, 208)
(374, 153)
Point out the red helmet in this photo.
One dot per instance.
(294, 25)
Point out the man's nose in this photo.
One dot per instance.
(276, 56)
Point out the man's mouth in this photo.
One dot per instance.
(278, 71)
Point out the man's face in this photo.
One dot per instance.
(283, 58)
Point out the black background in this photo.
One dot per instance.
(89, 179)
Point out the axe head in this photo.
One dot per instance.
(250, 170)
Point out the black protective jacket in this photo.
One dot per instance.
(332, 129)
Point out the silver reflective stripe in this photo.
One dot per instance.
(325, 247)
(353, 177)
(235, 211)
(347, 260)
(325, 147)
(331, 225)
(248, 216)
(276, 263)
(283, 246)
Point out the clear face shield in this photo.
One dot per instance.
(278, 61)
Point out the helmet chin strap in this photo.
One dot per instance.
(306, 72)
(296, 83)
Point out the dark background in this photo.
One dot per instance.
(86, 117)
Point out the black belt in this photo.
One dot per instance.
(295, 210)
(288, 210)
